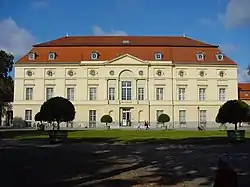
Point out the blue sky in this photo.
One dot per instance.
(222, 22)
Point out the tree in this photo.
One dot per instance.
(163, 118)
(6, 82)
(57, 109)
(106, 119)
(233, 111)
(38, 117)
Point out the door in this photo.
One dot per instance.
(126, 117)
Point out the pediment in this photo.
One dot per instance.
(126, 59)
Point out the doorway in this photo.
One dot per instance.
(125, 117)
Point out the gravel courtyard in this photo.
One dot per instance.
(78, 164)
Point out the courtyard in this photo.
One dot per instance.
(118, 158)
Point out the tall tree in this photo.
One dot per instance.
(6, 82)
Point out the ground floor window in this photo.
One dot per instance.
(28, 115)
(92, 118)
(182, 116)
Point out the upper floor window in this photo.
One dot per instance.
(29, 94)
(158, 56)
(28, 115)
(94, 55)
(111, 93)
(92, 93)
(49, 93)
(222, 94)
(202, 94)
(52, 56)
(182, 93)
(200, 56)
(32, 56)
(159, 93)
(219, 56)
(71, 94)
(140, 93)
(126, 90)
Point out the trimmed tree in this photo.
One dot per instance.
(106, 119)
(57, 109)
(38, 117)
(234, 112)
(163, 118)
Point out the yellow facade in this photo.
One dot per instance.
(141, 74)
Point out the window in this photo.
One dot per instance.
(92, 93)
(32, 56)
(219, 56)
(182, 116)
(29, 94)
(52, 56)
(203, 116)
(159, 93)
(222, 94)
(28, 115)
(70, 94)
(111, 93)
(182, 92)
(92, 118)
(140, 93)
(158, 113)
(202, 92)
(158, 56)
(94, 56)
(49, 93)
(126, 90)
(200, 56)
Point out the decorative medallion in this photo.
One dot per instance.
(222, 73)
(159, 72)
(49, 73)
(112, 72)
(92, 72)
(202, 73)
(70, 73)
(181, 73)
(29, 73)
(141, 72)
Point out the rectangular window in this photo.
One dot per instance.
(222, 94)
(111, 93)
(92, 118)
(182, 92)
(49, 93)
(92, 93)
(140, 93)
(158, 113)
(182, 116)
(126, 90)
(202, 93)
(203, 116)
(159, 93)
(70, 94)
(28, 115)
(29, 94)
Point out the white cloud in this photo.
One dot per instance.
(237, 14)
(97, 31)
(40, 4)
(243, 75)
(14, 39)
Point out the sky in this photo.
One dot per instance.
(222, 22)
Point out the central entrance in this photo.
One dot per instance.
(125, 117)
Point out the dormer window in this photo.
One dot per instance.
(52, 56)
(32, 56)
(94, 56)
(200, 56)
(158, 56)
(219, 56)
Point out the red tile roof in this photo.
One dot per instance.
(244, 91)
(74, 49)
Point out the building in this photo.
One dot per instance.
(244, 92)
(132, 78)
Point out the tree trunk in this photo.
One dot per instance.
(58, 125)
(1, 112)
(235, 126)
(106, 124)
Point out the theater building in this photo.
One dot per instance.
(132, 78)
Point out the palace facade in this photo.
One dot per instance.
(132, 78)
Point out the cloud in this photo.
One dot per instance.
(237, 14)
(98, 31)
(228, 48)
(207, 22)
(39, 4)
(243, 75)
(14, 39)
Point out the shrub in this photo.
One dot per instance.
(18, 122)
(106, 119)
(233, 111)
(163, 118)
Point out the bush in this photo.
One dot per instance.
(57, 109)
(18, 122)
(106, 119)
(163, 118)
(233, 111)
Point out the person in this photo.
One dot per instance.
(226, 176)
(139, 126)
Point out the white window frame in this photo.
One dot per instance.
(111, 93)
(28, 115)
(140, 93)
(126, 90)
(222, 94)
(203, 116)
(71, 93)
(48, 93)
(92, 117)
(182, 116)
(202, 94)
(92, 93)
(181, 94)
(29, 93)
(159, 91)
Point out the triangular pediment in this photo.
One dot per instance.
(126, 59)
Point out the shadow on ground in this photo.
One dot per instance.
(102, 162)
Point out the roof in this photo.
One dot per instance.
(75, 49)
(244, 86)
(244, 91)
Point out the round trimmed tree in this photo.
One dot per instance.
(163, 118)
(57, 109)
(106, 119)
(38, 117)
(234, 112)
